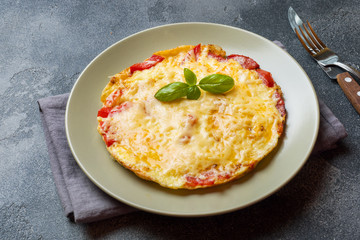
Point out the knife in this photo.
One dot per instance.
(311, 42)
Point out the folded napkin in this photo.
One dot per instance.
(85, 202)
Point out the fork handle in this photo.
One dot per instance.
(351, 89)
(348, 68)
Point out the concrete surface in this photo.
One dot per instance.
(46, 44)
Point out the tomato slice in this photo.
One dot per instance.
(217, 57)
(224, 176)
(197, 50)
(104, 112)
(108, 141)
(150, 62)
(105, 130)
(245, 62)
(120, 108)
(194, 181)
(266, 77)
(192, 54)
(280, 105)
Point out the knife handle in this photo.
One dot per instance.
(351, 89)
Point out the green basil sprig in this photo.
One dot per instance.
(215, 83)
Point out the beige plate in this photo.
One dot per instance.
(269, 176)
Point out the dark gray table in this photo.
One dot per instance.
(46, 44)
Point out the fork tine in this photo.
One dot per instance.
(310, 51)
(315, 44)
(314, 34)
(308, 40)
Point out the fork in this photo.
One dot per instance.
(320, 52)
(326, 59)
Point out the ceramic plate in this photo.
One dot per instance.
(269, 176)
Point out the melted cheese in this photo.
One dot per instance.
(168, 141)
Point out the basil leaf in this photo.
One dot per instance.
(190, 77)
(172, 91)
(193, 93)
(216, 83)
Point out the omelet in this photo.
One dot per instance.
(190, 144)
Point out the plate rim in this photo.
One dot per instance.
(189, 214)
